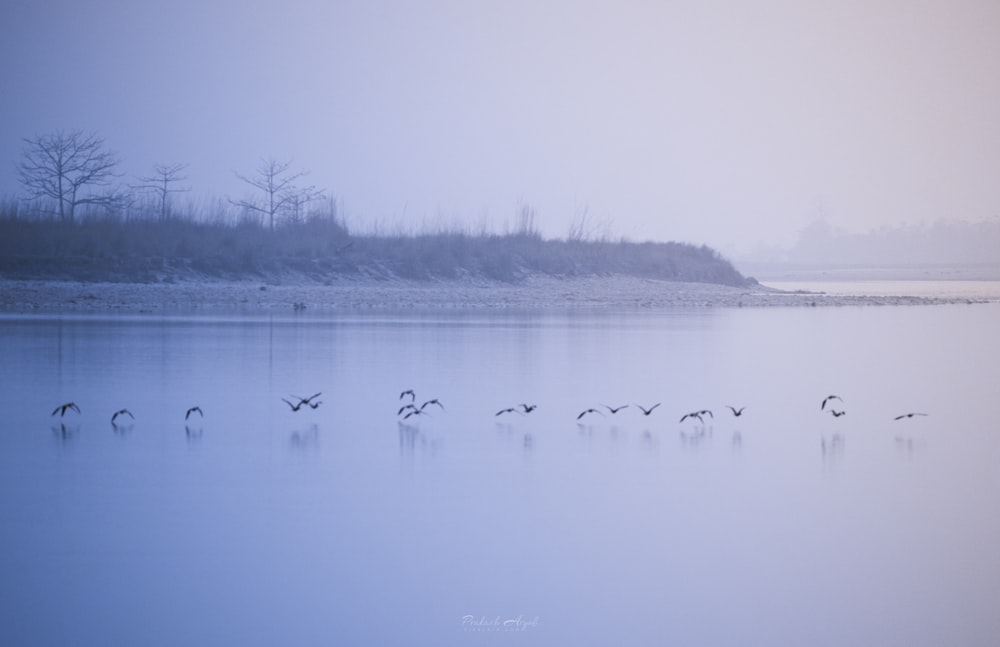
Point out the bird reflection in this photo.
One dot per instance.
(833, 449)
(696, 438)
(305, 439)
(65, 432)
(193, 433)
(122, 428)
(737, 441)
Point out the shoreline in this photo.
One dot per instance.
(534, 293)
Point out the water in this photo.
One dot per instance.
(258, 526)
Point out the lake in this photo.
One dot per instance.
(345, 524)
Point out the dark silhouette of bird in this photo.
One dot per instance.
(404, 408)
(415, 412)
(648, 411)
(408, 392)
(837, 414)
(315, 405)
(704, 411)
(306, 400)
(696, 414)
(63, 408)
(193, 410)
(827, 399)
(615, 410)
(295, 407)
(736, 412)
(121, 412)
(909, 415)
(528, 408)
(507, 410)
(585, 412)
(434, 401)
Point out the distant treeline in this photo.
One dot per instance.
(937, 243)
(321, 249)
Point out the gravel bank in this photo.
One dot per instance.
(539, 293)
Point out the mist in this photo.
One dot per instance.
(718, 124)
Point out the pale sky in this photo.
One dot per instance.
(725, 123)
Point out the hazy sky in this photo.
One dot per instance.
(712, 122)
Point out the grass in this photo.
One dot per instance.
(320, 248)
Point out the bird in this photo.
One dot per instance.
(695, 414)
(306, 400)
(615, 410)
(704, 411)
(315, 405)
(827, 399)
(192, 410)
(408, 392)
(415, 412)
(837, 414)
(295, 407)
(909, 415)
(528, 408)
(583, 413)
(507, 410)
(63, 408)
(122, 412)
(736, 412)
(404, 408)
(434, 401)
(648, 411)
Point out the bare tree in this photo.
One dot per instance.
(280, 194)
(62, 166)
(165, 175)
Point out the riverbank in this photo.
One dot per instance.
(542, 293)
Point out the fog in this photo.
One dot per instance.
(714, 123)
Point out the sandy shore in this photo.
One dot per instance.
(540, 293)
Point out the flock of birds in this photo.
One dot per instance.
(409, 409)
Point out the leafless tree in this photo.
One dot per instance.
(165, 175)
(63, 166)
(280, 193)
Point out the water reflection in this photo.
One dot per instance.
(532, 501)
(193, 433)
(305, 439)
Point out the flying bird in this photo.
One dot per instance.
(827, 399)
(192, 410)
(306, 400)
(704, 411)
(434, 401)
(696, 414)
(63, 408)
(295, 407)
(404, 408)
(583, 413)
(507, 410)
(648, 411)
(615, 410)
(122, 412)
(315, 405)
(837, 414)
(909, 415)
(415, 412)
(528, 408)
(736, 412)
(408, 392)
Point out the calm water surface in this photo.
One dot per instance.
(255, 525)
